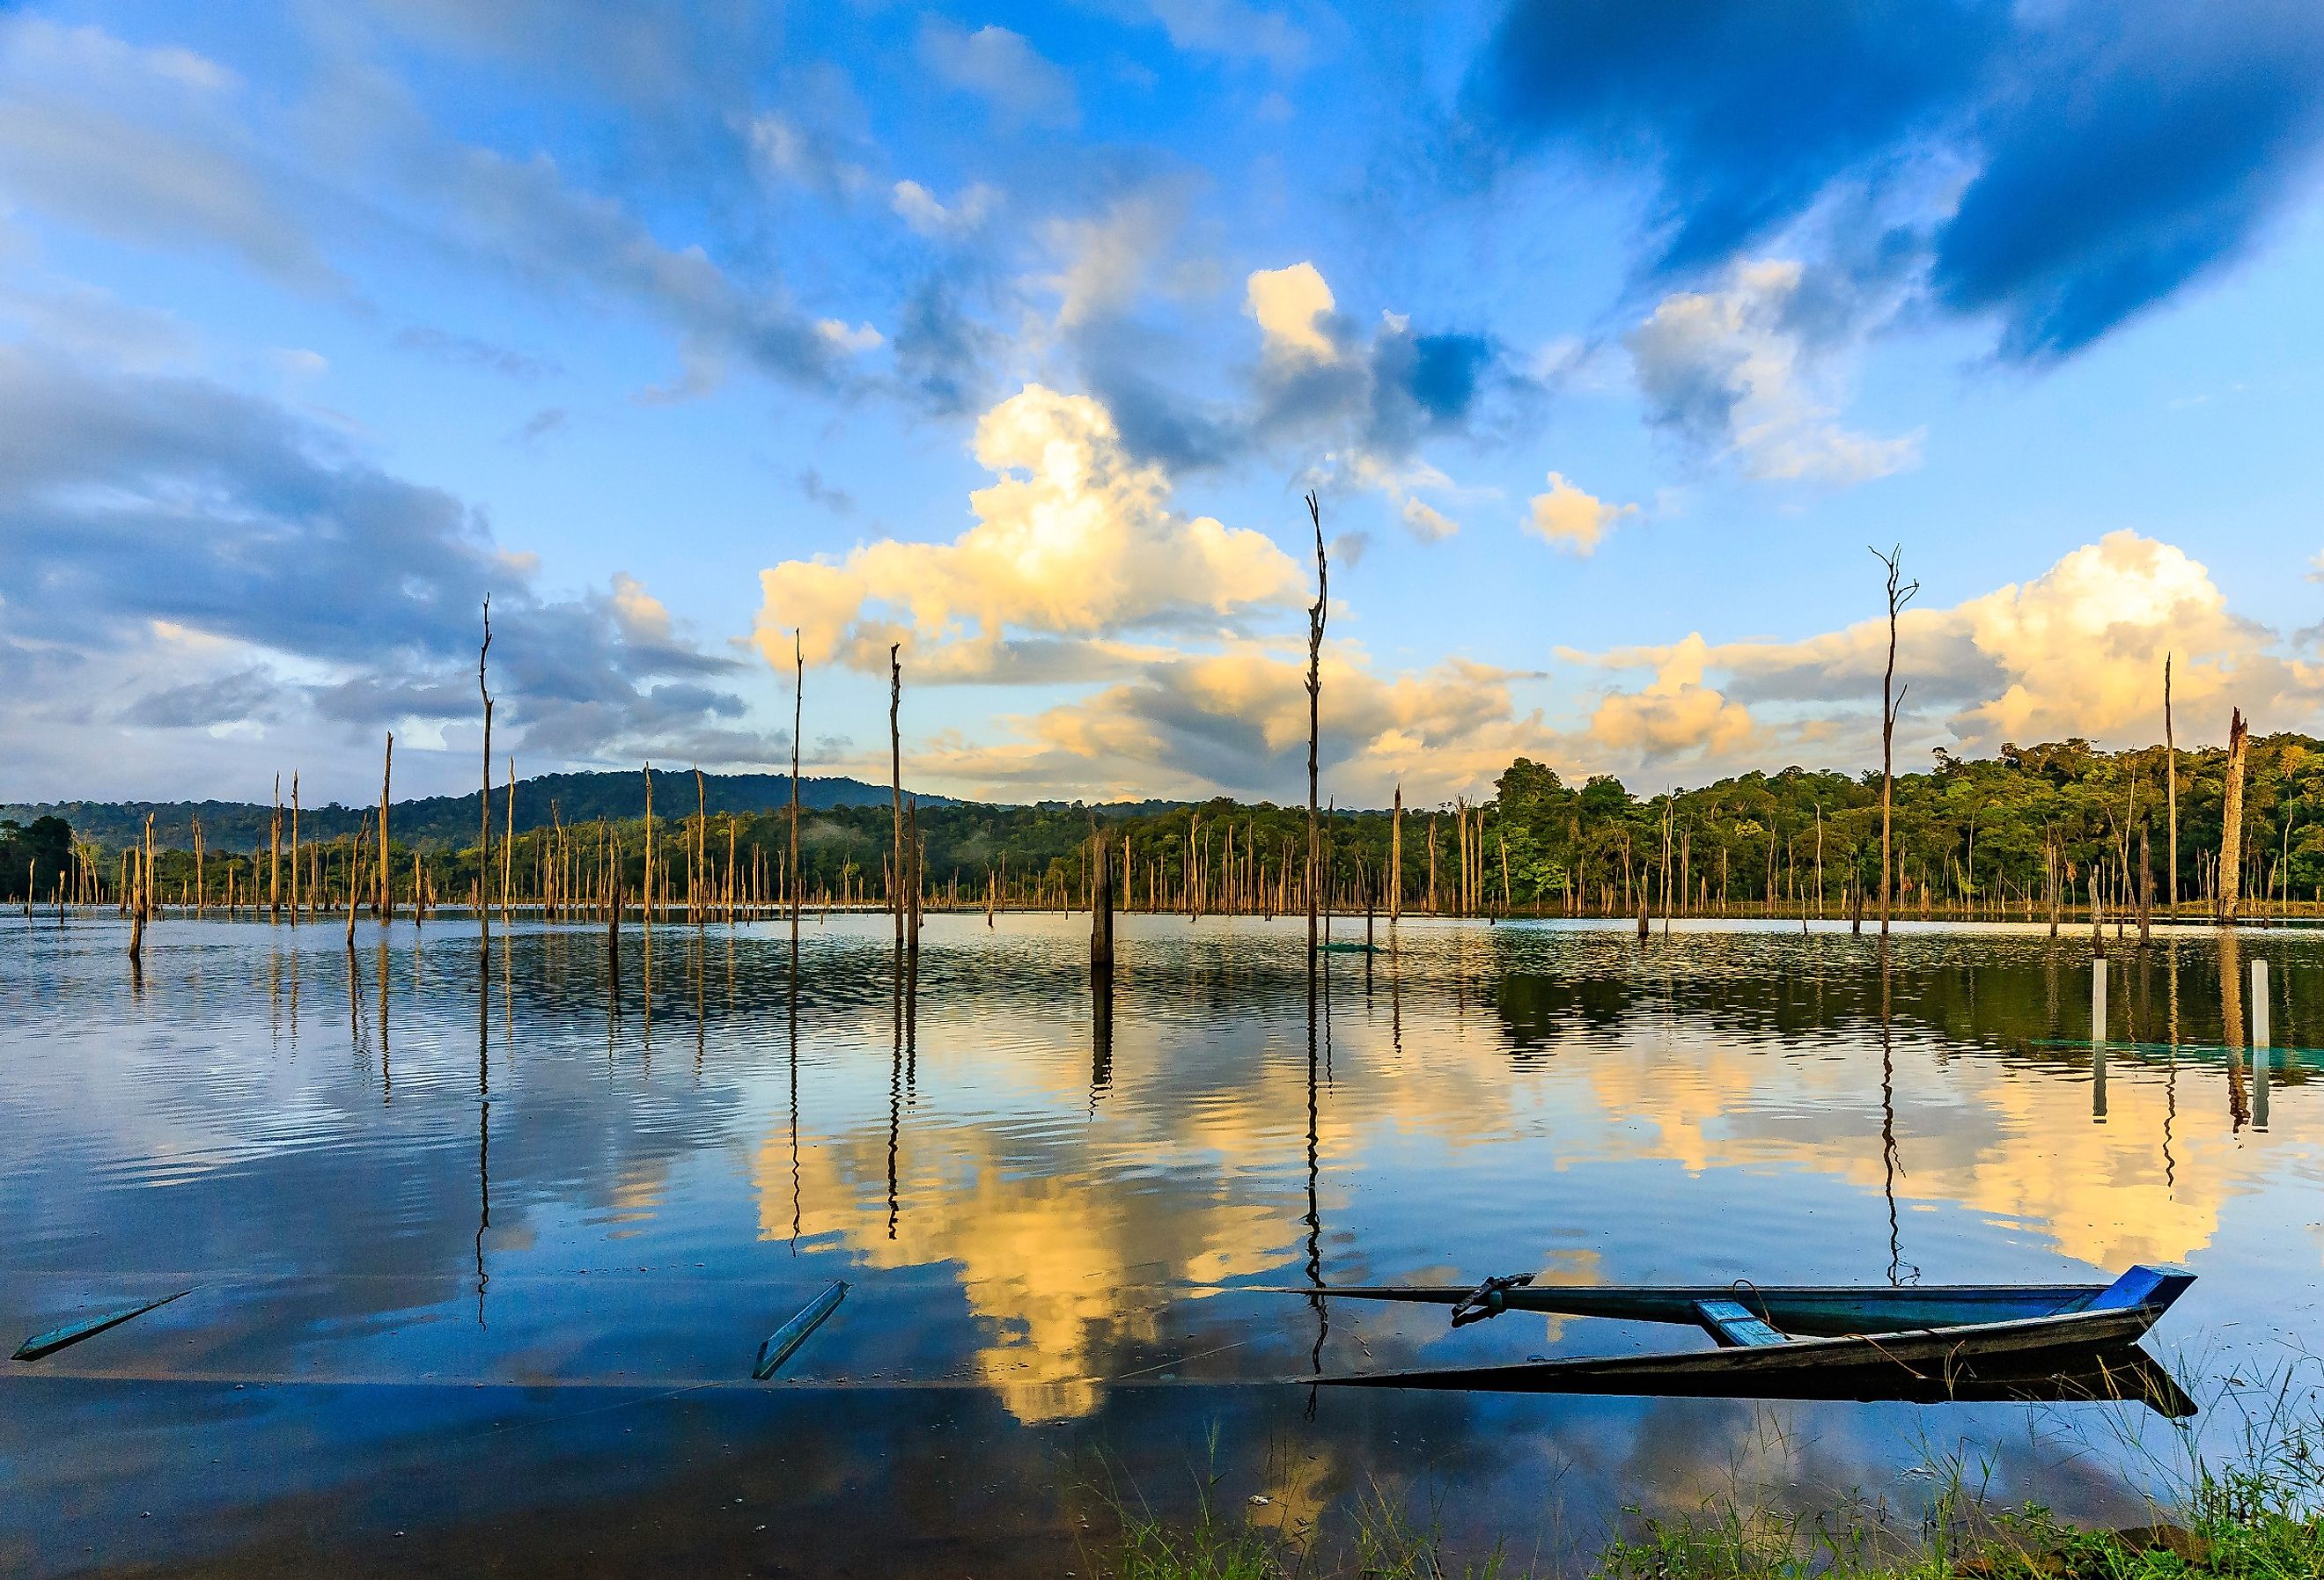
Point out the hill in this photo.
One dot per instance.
(449, 822)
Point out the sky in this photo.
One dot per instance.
(1611, 340)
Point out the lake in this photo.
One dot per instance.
(480, 1258)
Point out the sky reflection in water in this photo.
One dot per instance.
(490, 1267)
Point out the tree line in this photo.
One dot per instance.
(1996, 836)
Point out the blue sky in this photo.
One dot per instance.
(1610, 336)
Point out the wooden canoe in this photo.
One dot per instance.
(1793, 1342)
(1802, 1311)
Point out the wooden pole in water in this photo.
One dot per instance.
(355, 884)
(294, 847)
(2171, 830)
(2231, 821)
(508, 844)
(274, 855)
(896, 771)
(1395, 858)
(1317, 616)
(385, 906)
(485, 800)
(798, 707)
(2146, 881)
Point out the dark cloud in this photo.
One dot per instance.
(941, 352)
(549, 420)
(1158, 423)
(1442, 376)
(134, 503)
(1742, 110)
(467, 351)
(2128, 157)
(245, 695)
(2113, 152)
(837, 501)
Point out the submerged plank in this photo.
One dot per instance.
(792, 1334)
(72, 1332)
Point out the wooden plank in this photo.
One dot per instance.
(792, 1334)
(72, 1332)
(1733, 1325)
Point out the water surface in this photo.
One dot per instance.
(482, 1245)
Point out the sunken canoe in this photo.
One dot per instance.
(1777, 1342)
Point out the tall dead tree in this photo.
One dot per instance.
(1396, 857)
(896, 770)
(1892, 702)
(1316, 614)
(798, 709)
(2170, 765)
(484, 802)
(274, 856)
(2231, 821)
(385, 909)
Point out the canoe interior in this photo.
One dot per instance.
(1800, 1309)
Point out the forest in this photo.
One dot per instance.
(1978, 837)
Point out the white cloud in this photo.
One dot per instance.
(1676, 716)
(1108, 259)
(919, 209)
(1235, 720)
(1729, 371)
(1231, 29)
(786, 149)
(1075, 547)
(1570, 519)
(2076, 651)
(1426, 522)
(859, 338)
(1293, 306)
(1004, 70)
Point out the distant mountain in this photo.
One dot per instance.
(441, 821)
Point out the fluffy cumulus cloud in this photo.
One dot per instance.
(2102, 154)
(1293, 307)
(1075, 550)
(1734, 372)
(1235, 721)
(1675, 716)
(185, 558)
(2076, 651)
(1570, 518)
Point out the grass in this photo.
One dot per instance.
(2257, 1514)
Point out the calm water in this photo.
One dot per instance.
(478, 1269)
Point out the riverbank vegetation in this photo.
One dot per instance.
(1998, 837)
(2256, 1517)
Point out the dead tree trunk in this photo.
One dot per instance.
(484, 802)
(1317, 616)
(896, 767)
(2231, 821)
(2171, 829)
(1891, 701)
